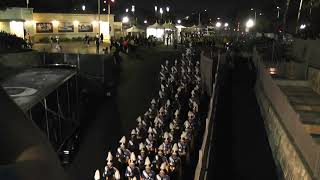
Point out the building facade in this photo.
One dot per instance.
(41, 26)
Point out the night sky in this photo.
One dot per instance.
(181, 7)
(225, 9)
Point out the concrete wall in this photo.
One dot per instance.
(307, 51)
(295, 70)
(16, 14)
(11, 20)
(314, 79)
(295, 152)
(288, 159)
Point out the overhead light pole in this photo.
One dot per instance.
(299, 13)
(255, 14)
(133, 10)
(99, 16)
(109, 10)
(161, 12)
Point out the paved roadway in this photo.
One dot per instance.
(241, 149)
(116, 116)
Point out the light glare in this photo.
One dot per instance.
(218, 24)
(125, 19)
(250, 23)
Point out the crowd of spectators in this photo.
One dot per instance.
(131, 43)
(197, 40)
(11, 42)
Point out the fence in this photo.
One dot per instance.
(206, 148)
(289, 122)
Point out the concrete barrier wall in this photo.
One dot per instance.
(314, 79)
(202, 167)
(287, 158)
(307, 51)
(295, 70)
(296, 154)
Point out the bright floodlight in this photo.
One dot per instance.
(127, 10)
(226, 25)
(168, 9)
(55, 22)
(105, 2)
(83, 7)
(145, 21)
(76, 23)
(161, 11)
(155, 8)
(112, 0)
(179, 21)
(303, 26)
(218, 24)
(125, 19)
(250, 23)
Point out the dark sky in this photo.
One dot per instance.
(181, 7)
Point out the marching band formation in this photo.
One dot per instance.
(159, 147)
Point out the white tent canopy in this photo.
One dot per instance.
(155, 30)
(135, 29)
(156, 26)
(168, 26)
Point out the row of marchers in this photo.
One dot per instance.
(160, 145)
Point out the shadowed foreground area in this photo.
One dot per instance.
(241, 147)
(138, 84)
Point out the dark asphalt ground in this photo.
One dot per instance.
(241, 148)
(116, 116)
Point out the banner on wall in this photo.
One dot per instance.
(66, 27)
(85, 27)
(44, 28)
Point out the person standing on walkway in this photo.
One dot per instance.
(101, 38)
(58, 47)
(51, 41)
(97, 42)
